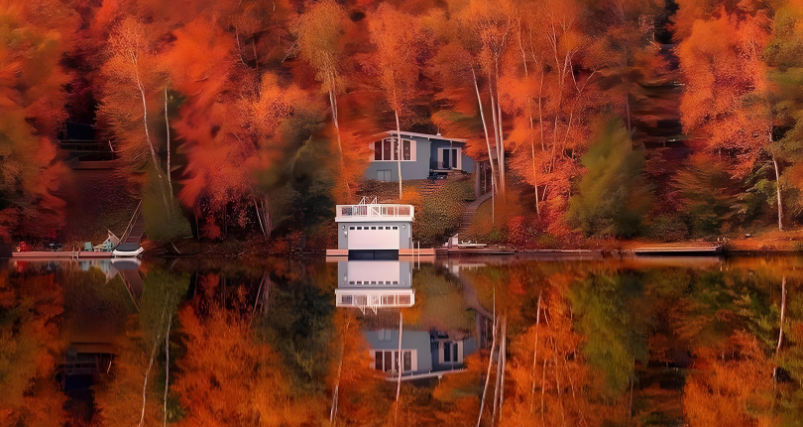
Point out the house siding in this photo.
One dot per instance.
(411, 340)
(419, 169)
(467, 163)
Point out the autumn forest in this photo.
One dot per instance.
(235, 127)
(663, 120)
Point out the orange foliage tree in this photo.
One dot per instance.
(29, 350)
(35, 35)
(227, 378)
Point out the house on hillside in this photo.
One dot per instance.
(422, 156)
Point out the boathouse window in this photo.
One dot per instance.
(373, 228)
(346, 299)
(351, 228)
(388, 150)
(395, 228)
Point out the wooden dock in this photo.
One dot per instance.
(424, 252)
(458, 252)
(49, 255)
(678, 250)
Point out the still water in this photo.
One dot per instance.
(649, 342)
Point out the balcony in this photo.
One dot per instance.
(374, 212)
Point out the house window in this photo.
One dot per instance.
(383, 175)
(388, 150)
(388, 360)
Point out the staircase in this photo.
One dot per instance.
(136, 228)
(430, 186)
(468, 213)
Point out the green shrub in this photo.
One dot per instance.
(614, 195)
(667, 229)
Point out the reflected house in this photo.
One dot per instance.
(374, 284)
(370, 285)
(425, 354)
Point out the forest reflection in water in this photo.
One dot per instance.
(293, 342)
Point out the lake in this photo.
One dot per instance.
(647, 342)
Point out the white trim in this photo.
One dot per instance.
(459, 165)
(421, 135)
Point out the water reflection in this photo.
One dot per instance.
(212, 342)
(371, 285)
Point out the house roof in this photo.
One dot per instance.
(421, 135)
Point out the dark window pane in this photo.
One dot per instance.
(454, 352)
(378, 362)
(395, 149)
(447, 352)
(378, 150)
(406, 150)
(388, 361)
(454, 158)
(408, 361)
(386, 147)
(404, 299)
(396, 361)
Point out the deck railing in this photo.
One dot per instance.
(375, 211)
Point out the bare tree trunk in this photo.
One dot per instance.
(335, 121)
(501, 370)
(167, 368)
(498, 378)
(543, 390)
(167, 140)
(535, 350)
(401, 148)
(496, 136)
(259, 219)
(557, 385)
(778, 190)
(488, 145)
(502, 168)
(401, 369)
(155, 347)
(488, 372)
(333, 410)
(154, 158)
(780, 333)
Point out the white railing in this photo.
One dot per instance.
(375, 211)
(372, 301)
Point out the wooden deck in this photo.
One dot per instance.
(48, 255)
(678, 250)
(424, 252)
(457, 252)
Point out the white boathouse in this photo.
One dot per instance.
(374, 230)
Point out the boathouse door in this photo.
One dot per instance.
(373, 237)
